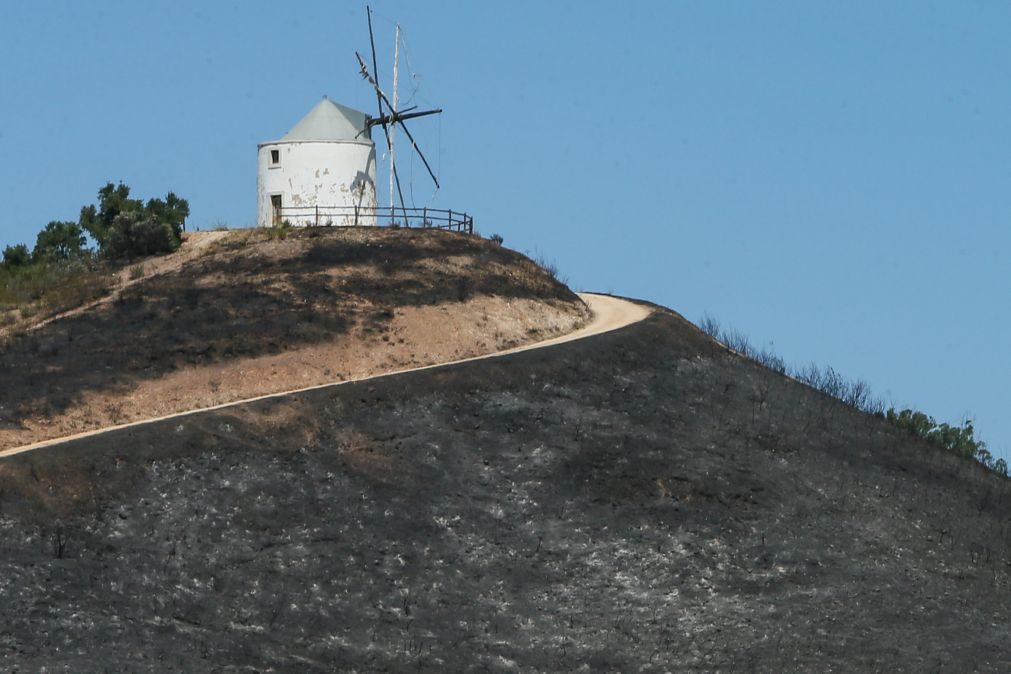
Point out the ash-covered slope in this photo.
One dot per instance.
(249, 315)
(640, 500)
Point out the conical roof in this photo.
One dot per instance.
(330, 121)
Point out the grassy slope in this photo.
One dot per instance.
(40, 291)
(639, 500)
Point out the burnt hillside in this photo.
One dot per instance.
(318, 306)
(640, 500)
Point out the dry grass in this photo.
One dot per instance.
(31, 293)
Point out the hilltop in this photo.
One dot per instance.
(232, 315)
(644, 500)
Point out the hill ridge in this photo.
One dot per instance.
(233, 315)
(607, 313)
(642, 499)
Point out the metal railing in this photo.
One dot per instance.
(371, 216)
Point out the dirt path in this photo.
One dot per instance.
(609, 313)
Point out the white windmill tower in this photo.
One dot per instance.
(323, 171)
(326, 163)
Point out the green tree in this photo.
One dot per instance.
(59, 241)
(958, 440)
(916, 423)
(112, 200)
(125, 227)
(172, 211)
(137, 233)
(16, 256)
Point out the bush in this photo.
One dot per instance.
(771, 360)
(857, 394)
(16, 256)
(125, 227)
(138, 233)
(739, 342)
(61, 273)
(59, 241)
(279, 230)
(710, 326)
(52, 286)
(547, 266)
(496, 238)
(958, 440)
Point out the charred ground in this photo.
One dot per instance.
(640, 500)
(249, 296)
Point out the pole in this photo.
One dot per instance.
(393, 127)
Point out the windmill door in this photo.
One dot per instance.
(275, 209)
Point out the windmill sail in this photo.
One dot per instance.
(389, 117)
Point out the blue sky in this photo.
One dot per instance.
(827, 177)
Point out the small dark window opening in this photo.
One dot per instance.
(275, 157)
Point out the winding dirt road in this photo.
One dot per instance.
(609, 313)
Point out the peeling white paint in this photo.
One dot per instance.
(320, 170)
(316, 173)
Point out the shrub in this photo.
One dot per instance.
(958, 440)
(496, 238)
(710, 326)
(279, 230)
(59, 241)
(112, 200)
(125, 227)
(52, 286)
(137, 233)
(16, 256)
(61, 272)
(547, 266)
(739, 342)
(857, 394)
(771, 360)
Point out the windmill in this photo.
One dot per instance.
(389, 117)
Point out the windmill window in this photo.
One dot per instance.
(275, 157)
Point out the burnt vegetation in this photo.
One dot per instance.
(959, 440)
(644, 500)
(252, 296)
